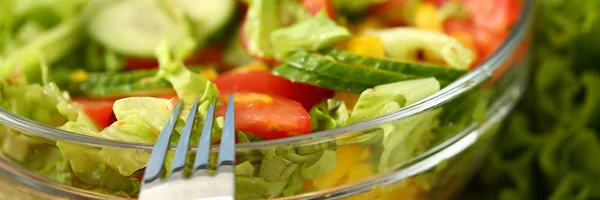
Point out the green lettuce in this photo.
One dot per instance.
(260, 23)
(328, 115)
(50, 30)
(311, 35)
(384, 98)
(552, 136)
(188, 85)
(399, 141)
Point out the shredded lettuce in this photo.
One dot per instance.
(311, 35)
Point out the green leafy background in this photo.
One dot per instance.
(549, 147)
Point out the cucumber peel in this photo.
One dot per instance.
(413, 68)
(133, 83)
(343, 71)
(303, 76)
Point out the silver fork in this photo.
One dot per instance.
(200, 185)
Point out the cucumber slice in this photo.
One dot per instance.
(207, 16)
(303, 76)
(133, 27)
(411, 68)
(325, 66)
(133, 83)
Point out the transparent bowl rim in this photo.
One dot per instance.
(475, 77)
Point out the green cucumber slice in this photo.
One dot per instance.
(327, 66)
(411, 68)
(298, 75)
(133, 83)
(133, 27)
(207, 16)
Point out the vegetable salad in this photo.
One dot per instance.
(114, 69)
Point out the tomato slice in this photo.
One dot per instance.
(99, 110)
(495, 16)
(265, 82)
(267, 116)
(315, 6)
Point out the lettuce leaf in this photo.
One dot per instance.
(188, 85)
(393, 96)
(399, 141)
(311, 35)
(260, 23)
(328, 115)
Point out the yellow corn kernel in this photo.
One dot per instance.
(79, 75)
(209, 73)
(426, 17)
(249, 68)
(366, 45)
(345, 159)
(349, 99)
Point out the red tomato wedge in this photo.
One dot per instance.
(315, 6)
(99, 110)
(266, 83)
(495, 16)
(267, 116)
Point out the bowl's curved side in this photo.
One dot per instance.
(477, 76)
(458, 147)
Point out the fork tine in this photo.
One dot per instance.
(184, 144)
(157, 158)
(202, 154)
(227, 148)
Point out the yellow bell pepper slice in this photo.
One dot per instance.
(345, 159)
(366, 45)
(426, 17)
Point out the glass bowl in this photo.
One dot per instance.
(435, 167)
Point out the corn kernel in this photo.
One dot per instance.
(426, 17)
(366, 45)
(79, 75)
